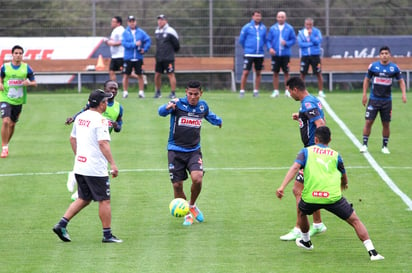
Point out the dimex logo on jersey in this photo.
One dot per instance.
(190, 122)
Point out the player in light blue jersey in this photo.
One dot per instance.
(379, 79)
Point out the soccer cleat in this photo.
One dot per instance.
(188, 220)
(196, 213)
(291, 236)
(125, 94)
(5, 152)
(321, 94)
(255, 94)
(377, 257)
(141, 94)
(363, 149)
(385, 150)
(287, 93)
(172, 95)
(275, 94)
(157, 95)
(62, 233)
(241, 94)
(313, 231)
(305, 245)
(112, 239)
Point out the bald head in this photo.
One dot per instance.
(281, 17)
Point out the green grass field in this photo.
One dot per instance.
(245, 162)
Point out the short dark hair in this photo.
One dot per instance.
(194, 84)
(118, 19)
(16, 47)
(385, 48)
(296, 82)
(106, 82)
(256, 11)
(323, 134)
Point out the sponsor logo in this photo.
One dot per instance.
(320, 194)
(81, 158)
(190, 122)
(83, 122)
(382, 81)
(15, 82)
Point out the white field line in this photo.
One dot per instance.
(235, 169)
(368, 156)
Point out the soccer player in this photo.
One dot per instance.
(252, 39)
(136, 43)
(116, 48)
(184, 152)
(325, 178)
(310, 116)
(281, 37)
(167, 44)
(379, 78)
(310, 40)
(90, 142)
(14, 79)
(114, 116)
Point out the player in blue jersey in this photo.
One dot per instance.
(379, 78)
(310, 116)
(184, 152)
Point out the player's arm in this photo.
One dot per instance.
(167, 108)
(69, 120)
(366, 83)
(117, 125)
(344, 177)
(290, 175)
(213, 119)
(106, 151)
(73, 143)
(403, 89)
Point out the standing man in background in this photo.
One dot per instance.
(252, 39)
(310, 40)
(280, 39)
(14, 79)
(381, 74)
(116, 48)
(136, 42)
(167, 44)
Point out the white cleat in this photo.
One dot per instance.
(385, 150)
(275, 94)
(363, 149)
(321, 94)
(377, 257)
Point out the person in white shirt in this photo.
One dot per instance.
(89, 140)
(116, 47)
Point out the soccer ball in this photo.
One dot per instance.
(179, 207)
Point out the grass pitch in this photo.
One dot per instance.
(245, 162)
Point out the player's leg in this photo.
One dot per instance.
(247, 66)
(158, 79)
(370, 116)
(258, 62)
(304, 67)
(172, 79)
(285, 69)
(317, 70)
(10, 115)
(138, 70)
(127, 70)
(303, 210)
(297, 192)
(385, 113)
(275, 79)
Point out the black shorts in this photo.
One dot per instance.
(116, 64)
(249, 61)
(93, 187)
(11, 111)
(165, 66)
(129, 65)
(384, 107)
(313, 61)
(180, 163)
(341, 208)
(279, 62)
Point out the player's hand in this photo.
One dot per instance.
(279, 193)
(364, 100)
(115, 125)
(69, 121)
(295, 116)
(114, 171)
(171, 104)
(272, 52)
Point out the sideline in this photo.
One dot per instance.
(368, 156)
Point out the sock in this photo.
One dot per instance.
(385, 141)
(173, 92)
(276, 91)
(305, 236)
(365, 140)
(317, 225)
(255, 91)
(368, 245)
(63, 222)
(158, 90)
(107, 232)
(242, 91)
(320, 91)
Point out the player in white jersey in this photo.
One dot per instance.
(90, 139)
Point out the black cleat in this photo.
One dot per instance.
(306, 245)
(62, 233)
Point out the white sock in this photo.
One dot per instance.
(368, 245)
(305, 236)
(255, 91)
(276, 91)
(242, 91)
(317, 225)
(320, 91)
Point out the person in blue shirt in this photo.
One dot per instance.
(252, 39)
(379, 78)
(310, 40)
(280, 39)
(310, 117)
(136, 42)
(184, 152)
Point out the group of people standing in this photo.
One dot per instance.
(279, 40)
(128, 46)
